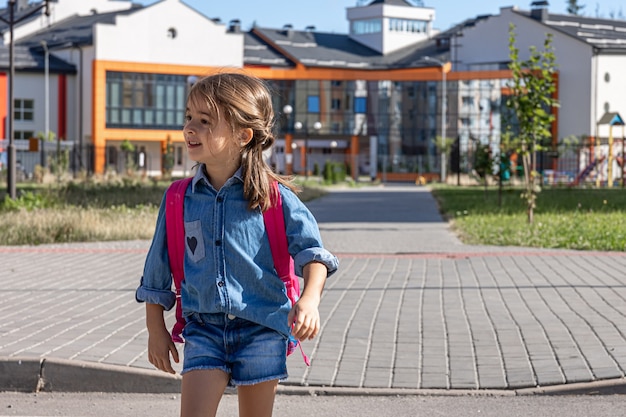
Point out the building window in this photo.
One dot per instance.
(360, 27)
(23, 134)
(145, 101)
(313, 104)
(406, 25)
(335, 104)
(360, 105)
(23, 109)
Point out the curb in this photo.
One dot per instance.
(63, 375)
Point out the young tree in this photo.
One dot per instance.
(483, 164)
(531, 102)
(574, 8)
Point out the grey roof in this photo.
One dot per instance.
(32, 60)
(328, 50)
(257, 52)
(605, 35)
(73, 31)
(318, 49)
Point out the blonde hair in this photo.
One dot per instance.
(244, 101)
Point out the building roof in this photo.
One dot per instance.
(605, 35)
(257, 52)
(27, 59)
(73, 31)
(286, 47)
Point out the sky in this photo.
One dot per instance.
(330, 15)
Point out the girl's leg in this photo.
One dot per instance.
(202, 391)
(257, 400)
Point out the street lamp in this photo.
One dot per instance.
(443, 114)
(299, 126)
(287, 110)
(46, 133)
(12, 172)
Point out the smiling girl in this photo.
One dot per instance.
(238, 315)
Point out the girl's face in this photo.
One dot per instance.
(209, 138)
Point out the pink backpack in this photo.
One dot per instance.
(274, 224)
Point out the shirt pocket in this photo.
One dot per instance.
(194, 243)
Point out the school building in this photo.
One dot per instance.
(102, 73)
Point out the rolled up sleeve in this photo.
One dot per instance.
(316, 254)
(165, 298)
(156, 283)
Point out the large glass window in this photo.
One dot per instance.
(405, 25)
(145, 101)
(367, 26)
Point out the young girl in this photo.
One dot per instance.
(238, 315)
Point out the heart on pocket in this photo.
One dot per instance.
(192, 242)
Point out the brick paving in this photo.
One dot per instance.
(410, 308)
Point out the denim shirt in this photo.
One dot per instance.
(228, 261)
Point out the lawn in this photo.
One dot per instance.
(86, 211)
(568, 218)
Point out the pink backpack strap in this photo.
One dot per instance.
(274, 219)
(175, 231)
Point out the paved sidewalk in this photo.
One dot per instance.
(411, 308)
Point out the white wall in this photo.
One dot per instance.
(32, 87)
(611, 93)
(144, 35)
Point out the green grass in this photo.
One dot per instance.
(586, 219)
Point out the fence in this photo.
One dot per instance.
(568, 164)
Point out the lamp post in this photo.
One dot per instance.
(443, 114)
(46, 130)
(287, 110)
(11, 149)
(299, 126)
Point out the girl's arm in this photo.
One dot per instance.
(160, 344)
(305, 315)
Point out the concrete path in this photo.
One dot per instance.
(411, 308)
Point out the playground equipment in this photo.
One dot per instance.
(609, 119)
(588, 169)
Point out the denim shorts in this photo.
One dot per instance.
(248, 352)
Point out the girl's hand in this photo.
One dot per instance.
(305, 317)
(160, 344)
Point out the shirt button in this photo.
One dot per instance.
(220, 284)
(220, 199)
(218, 243)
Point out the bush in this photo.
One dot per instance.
(334, 172)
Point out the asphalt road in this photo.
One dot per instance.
(151, 405)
